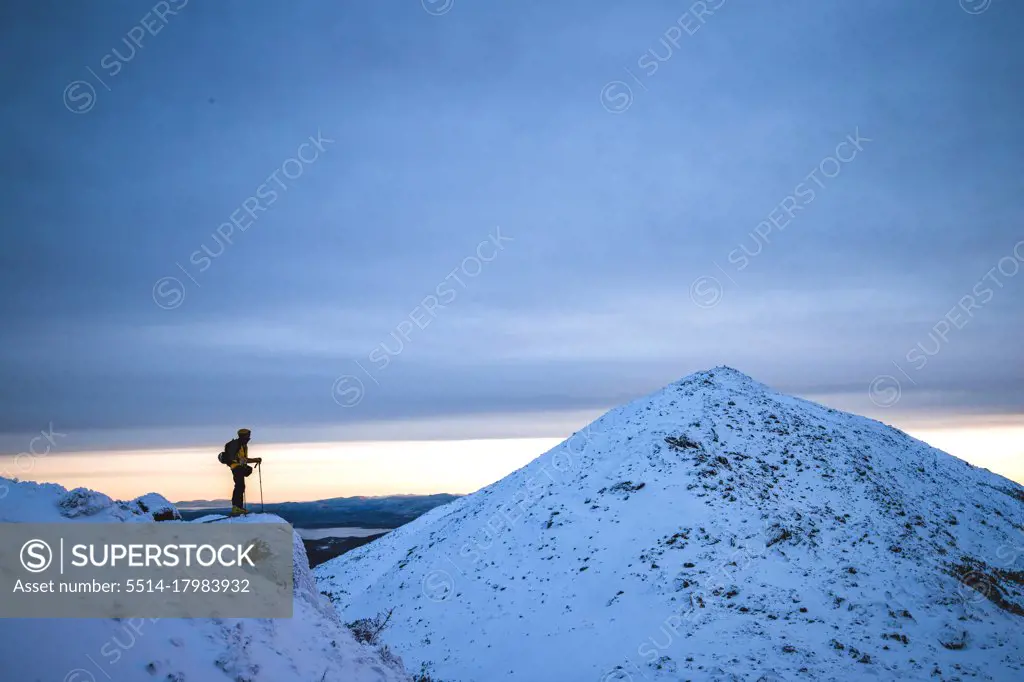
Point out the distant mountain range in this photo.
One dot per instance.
(389, 511)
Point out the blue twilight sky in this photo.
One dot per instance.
(444, 125)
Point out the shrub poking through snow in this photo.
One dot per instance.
(368, 630)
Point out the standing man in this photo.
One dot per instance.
(237, 455)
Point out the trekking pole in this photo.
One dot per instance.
(259, 470)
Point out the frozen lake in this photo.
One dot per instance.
(341, 532)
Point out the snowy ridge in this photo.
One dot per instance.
(715, 530)
(29, 502)
(313, 646)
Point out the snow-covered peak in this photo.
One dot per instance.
(715, 529)
(725, 376)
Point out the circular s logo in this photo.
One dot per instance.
(437, 7)
(981, 587)
(975, 6)
(706, 291)
(438, 585)
(79, 97)
(885, 390)
(36, 556)
(616, 97)
(168, 293)
(348, 391)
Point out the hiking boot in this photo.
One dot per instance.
(237, 511)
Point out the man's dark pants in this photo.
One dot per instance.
(238, 495)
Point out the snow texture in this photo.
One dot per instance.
(313, 646)
(715, 530)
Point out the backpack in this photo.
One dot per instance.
(224, 457)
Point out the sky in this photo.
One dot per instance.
(338, 222)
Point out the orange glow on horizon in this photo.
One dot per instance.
(312, 471)
(292, 471)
